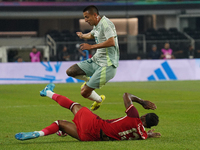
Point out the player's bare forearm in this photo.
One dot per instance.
(136, 99)
(127, 100)
(145, 103)
(108, 43)
(85, 36)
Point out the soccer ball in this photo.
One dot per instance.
(61, 134)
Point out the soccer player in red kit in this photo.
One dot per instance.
(88, 126)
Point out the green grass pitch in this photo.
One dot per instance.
(178, 106)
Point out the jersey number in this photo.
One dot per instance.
(133, 131)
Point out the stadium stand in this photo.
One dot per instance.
(178, 41)
(130, 47)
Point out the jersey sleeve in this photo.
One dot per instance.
(92, 32)
(132, 112)
(108, 31)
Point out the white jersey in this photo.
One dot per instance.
(104, 30)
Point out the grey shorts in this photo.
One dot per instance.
(99, 75)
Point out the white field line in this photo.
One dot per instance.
(107, 103)
(23, 106)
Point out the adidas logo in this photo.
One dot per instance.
(163, 73)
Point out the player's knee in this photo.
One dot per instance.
(69, 72)
(61, 124)
(76, 108)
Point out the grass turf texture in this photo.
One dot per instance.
(178, 106)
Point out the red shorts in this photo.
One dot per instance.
(87, 125)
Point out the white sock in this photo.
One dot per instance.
(40, 132)
(50, 93)
(83, 77)
(95, 97)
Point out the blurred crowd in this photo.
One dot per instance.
(63, 54)
(167, 53)
(57, 0)
(93, 0)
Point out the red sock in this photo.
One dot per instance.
(53, 128)
(62, 100)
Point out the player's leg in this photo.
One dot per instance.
(69, 128)
(64, 126)
(87, 90)
(101, 76)
(61, 100)
(76, 72)
(53, 128)
(82, 71)
(90, 94)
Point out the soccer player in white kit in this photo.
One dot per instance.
(102, 67)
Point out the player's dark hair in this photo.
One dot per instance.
(151, 120)
(91, 9)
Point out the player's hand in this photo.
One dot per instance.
(80, 34)
(149, 105)
(85, 46)
(151, 133)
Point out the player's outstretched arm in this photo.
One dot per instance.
(85, 36)
(127, 100)
(145, 103)
(153, 134)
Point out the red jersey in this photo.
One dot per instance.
(129, 127)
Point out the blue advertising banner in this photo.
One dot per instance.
(131, 70)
